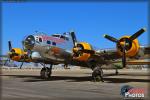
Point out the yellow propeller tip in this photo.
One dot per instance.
(144, 29)
(104, 35)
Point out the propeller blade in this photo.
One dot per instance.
(23, 45)
(6, 56)
(6, 62)
(124, 56)
(9, 60)
(21, 65)
(74, 39)
(137, 34)
(111, 38)
(9, 45)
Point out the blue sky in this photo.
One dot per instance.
(90, 20)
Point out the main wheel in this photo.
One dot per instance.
(45, 73)
(97, 74)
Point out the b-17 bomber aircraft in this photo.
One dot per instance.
(65, 49)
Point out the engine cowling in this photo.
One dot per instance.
(18, 54)
(82, 51)
(132, 47)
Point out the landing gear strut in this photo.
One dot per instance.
(46, 72)
(116, 72)
(97, 74)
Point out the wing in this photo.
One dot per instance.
(107, 54)
(113, 55)
(145, 52)
(126, 47)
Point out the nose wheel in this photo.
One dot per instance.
(46, 72)
(97, 74)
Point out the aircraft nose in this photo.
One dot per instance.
(29, 42)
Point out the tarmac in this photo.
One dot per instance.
(69, 84)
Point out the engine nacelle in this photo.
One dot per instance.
(132, 48)
(78, 54)
(18, 54)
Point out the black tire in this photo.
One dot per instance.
(45, 73)
(97, 74)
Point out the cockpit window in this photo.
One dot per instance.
(54, 43)
(62, 37)
(56, 35)
(48, 42)
(65, 38)
(40, 39)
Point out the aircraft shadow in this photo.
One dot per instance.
(124, 74)
(124, 80)
(34, 78)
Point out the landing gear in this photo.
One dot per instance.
(46, 72)
(97, 74)
(65, 66)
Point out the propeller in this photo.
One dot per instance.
(12, 53)
(24, 57)
(125, 43)
(79, 47)
(9, 45)
(21, 65)
(124, 56)
(111, 38)
(79, 50)
(10, 49)
(74, 39)
(137, 34)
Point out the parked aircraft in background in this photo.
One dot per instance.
(65, 49)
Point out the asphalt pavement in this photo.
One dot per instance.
(69, 84)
